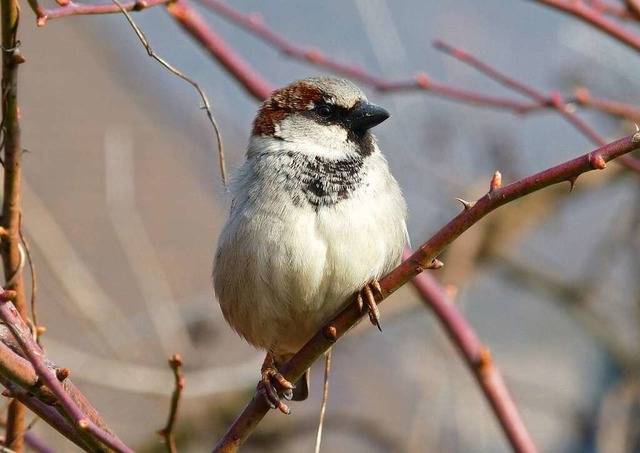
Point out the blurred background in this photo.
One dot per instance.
(123, 203)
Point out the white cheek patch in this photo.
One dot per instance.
(311, 138)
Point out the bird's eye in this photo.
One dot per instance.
(324, 110)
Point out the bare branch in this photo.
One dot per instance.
(478, 358)
(72, 9)
(85, 420)
(168, 432)
(193, 83)
(594, 17)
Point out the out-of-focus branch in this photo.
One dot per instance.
(72, 9)
(615, 10)
(254, 24)
(198, 28)
(81, 415)
(257, 408)
(584, 98)
(168, 432)
(593, 16)
(478, 359)
(247, 76)
(553, 100)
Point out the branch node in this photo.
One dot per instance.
(597, 161)
(496, 181)
(256, 19)
(82, 423)
(467, 204)
(6, 393)
(636, 136)
(314, 55)
(485, 361)
(330, 333)
(422, 79)
(8, 295)
(582, 94)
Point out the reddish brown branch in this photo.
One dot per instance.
(593, 16)
(249, 77)
(478, 359)
(421, 81)
(82, 417)
(584, 98)
(553, 100)
(193, 22)
(256, 409)
(11, 207)
(72, 9)
(168, 432)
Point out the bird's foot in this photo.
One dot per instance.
(270, 380)
(366, 297)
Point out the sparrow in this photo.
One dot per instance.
(316, 219)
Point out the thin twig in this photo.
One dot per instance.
(168, 432)
(594, 17)
(34, 284)
(72, 9)
(554, 100)
(325, 396)
(205, 100)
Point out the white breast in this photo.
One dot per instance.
(283, 270)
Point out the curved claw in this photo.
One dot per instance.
(366, 296)
(270, 378)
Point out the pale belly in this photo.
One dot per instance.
(280, 278)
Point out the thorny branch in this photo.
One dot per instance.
(569, 171)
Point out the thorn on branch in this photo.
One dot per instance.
(435, 264)
(636, 136)
(467, 204)
(572, 182)
(62, 373)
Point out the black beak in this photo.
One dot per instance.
(364, 116)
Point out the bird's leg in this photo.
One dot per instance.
(365, 296)
(270, 378)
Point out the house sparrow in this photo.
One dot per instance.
(316, 219)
